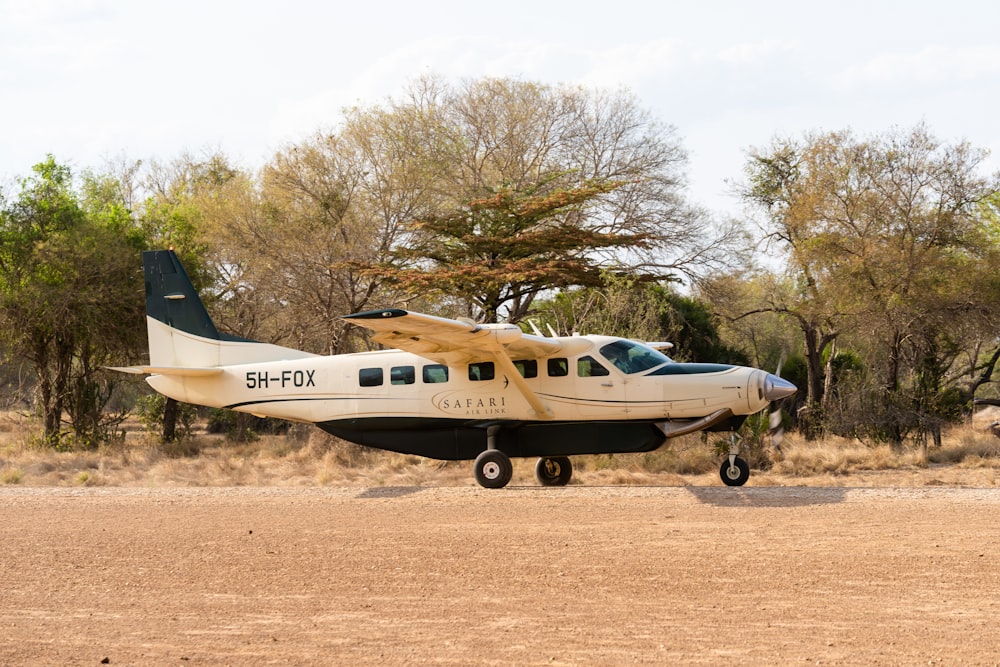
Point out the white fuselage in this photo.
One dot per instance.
(451, 389)
(321, 389)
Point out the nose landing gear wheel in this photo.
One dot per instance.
(734, 472)
(553, 470)
(493, 469)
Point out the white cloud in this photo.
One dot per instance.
(752, 53)
(629, 64)
(17, 13)
(934, 64)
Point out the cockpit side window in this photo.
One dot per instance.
(631, 357)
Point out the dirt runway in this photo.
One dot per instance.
(521, 576)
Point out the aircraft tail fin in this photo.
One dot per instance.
(181, 333)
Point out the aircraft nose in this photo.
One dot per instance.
(775, 388)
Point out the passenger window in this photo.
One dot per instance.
(435, 373)
(558, 367)
(528, 368)
(370, 377)
(402, 375)
(481, 371)
(587, 367)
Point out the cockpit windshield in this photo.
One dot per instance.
(631, 357)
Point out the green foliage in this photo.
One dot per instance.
(641, 310)
(792, 369)
(237, 426)
(479, 200)
(620, 306)
(68, 301)
(754, 439)
(243, 427)
(891, 249)
(150, 408)
(692, 327)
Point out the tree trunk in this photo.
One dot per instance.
(985, 376)
(170, 420)
(811, 419)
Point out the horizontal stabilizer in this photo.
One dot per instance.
(166, 370)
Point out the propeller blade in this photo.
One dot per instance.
(776, 389)
(775, 428)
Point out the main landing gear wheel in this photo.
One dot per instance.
(734, 471)
(553, 470)
(493, 469)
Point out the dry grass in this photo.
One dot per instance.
(969, 456)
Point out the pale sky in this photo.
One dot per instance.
(96, 80)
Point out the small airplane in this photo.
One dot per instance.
(453, 389)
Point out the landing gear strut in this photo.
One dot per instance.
(734, 471)
(493, 468)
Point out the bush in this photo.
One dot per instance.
(150, 409)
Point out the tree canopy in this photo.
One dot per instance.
(887, 237)
(504, 250)
(69, 302)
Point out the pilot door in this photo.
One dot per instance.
(585, 387)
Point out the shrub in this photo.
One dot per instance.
(11, 476)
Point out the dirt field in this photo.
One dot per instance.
(521, 576)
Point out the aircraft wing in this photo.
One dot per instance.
(457, 341)
(461, 341)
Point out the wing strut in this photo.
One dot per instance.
(536, 404)
(453, 341)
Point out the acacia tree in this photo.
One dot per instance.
(328, 227)
(68, 301)
(535, 187)
(503, 250)
(886, 236)
(353, 218)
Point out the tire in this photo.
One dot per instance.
(736, 474)
(493, 469)
(553, 470)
